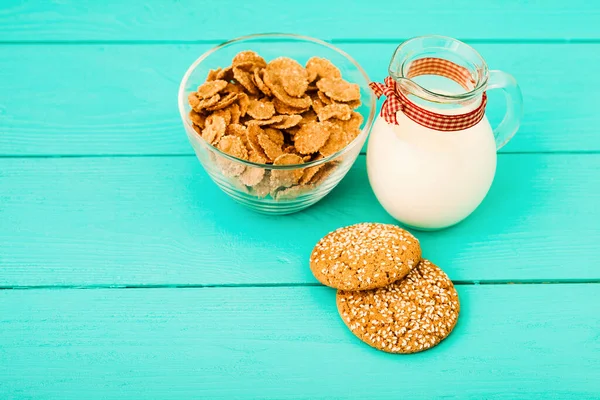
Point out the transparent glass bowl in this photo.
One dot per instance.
(279, 191)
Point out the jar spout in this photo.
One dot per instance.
(439, 69)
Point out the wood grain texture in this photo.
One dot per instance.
(107, 86)
(511, 341)
(147, 221)
(122, 99)
(216, 20)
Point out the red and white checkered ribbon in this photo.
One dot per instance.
(397, 101)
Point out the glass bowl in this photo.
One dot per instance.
(281, 189)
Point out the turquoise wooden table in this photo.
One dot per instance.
(125, 273)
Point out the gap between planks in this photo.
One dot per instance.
(290, 284)
(157, 155)
(333, 41)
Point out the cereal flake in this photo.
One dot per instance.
(210, 88)
(270, 148)
(214, 129)
(338, 89)
(311, 137)
(261, 109)
(318, 68)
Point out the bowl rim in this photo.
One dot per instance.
(275, 35)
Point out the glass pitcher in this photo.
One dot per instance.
(431, 157)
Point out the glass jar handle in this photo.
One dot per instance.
(514, 106)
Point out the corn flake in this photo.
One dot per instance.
(311, 137)
(229, 168)
(261, 109)
(197, 118)
(233, 146)
(248, 56)
(335, 110)
(275, 135)
(273, 120)
(308, 174)
(247, 66)
(271, 149)
(214, 129)
(317, 104)
(323, 173)
(263, 188)
(252, 137)
(355, 121)
(245, 79)
(282, 108)
(225, 74)
(200, 105)
(225, 113)
(323, 97)
(296, 102)
(318, 68)
(308, 117)
(288, 121)
(210, 88)
(223, 102)
(234, 111)
(212, 74)
(244, 102)
(288, 159)
(338, 89)
(260, 84)
(236, 130)
(354, 104)
(256, 157)
(286, 178)
(252, 176)
(274, 84)
(291, 74)
(233, 88)
(338, 139)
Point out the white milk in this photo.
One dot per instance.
(429, 179)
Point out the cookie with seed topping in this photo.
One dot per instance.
(364, 256)
(408, 316)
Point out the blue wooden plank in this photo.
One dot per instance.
(511, 341)
(121, 99)
(147, 221)
(224, 19)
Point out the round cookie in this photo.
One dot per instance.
(411, 315)
(364, 256)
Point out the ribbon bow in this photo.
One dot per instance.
(392, 102)
(396, 101)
